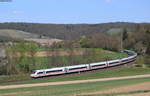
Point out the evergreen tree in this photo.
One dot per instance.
(124, 35)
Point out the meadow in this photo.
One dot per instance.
(70, 89)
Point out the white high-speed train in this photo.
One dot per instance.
(84, 67)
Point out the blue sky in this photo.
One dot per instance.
(75, 11)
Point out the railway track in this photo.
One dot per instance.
(72, 74)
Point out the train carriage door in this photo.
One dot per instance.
(44, 72)
(120, 61)
(89, 67)
(107, 63)
(66, 70)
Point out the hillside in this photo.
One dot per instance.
(10, 33)
(105, 35)
(70, 31)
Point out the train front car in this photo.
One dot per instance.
(33, 74)
(37, 73)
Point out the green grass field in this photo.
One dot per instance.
(70, 89)
(102, 74)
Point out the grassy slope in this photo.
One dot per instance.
(71, 89)
(16, 34)
(94, 75)
(114, 31)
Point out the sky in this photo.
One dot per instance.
(75, 11)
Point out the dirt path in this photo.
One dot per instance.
(72, 82)
(128, 88)
(138, 94)
(59, 53)
(53, 53)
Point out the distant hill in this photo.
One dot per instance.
(72, 31)
(105, 35)
(11, 33)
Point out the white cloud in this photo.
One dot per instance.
(17, 12)
(108, 1)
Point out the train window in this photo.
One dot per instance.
(40, 72)
(48, 71)
(33, 72)
(53, 71)
(77, 68)
(98, 65)
(113, 63)
(124, 60)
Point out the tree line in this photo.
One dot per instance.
(137, 39)
(16, 58)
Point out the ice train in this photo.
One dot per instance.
(85, 67)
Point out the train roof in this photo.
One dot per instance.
(74, 66)
(61, 68)
(113, 61)
(97, 63)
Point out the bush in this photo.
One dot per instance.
(140, 62)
